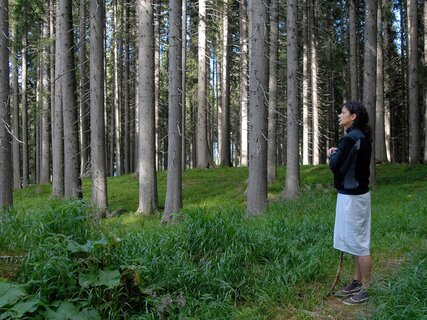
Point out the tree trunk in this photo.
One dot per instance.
(37, 126)
(57, 119)
(369, 72)
(258, 82)
(414, 111)
(243, 84)
(292, 182)
(314, 87)
(157, 79)
(83, 105)
(353, 53)
(72, 182)
(380, 152)
(224, 110)
(173, 201)
(387, 79)
(184, 77)
(116, 93)
(425, 84)
(126, 92)
(97, 75)
(202, 133)
(15, 116)
(305, 90)
(272, 101)
(45, 110)
(6, 186)
(52, 80)
(25, 159)
(147, 147)
(402, 155)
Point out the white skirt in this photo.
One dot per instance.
(352, 233)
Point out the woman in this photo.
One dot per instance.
(349, 163)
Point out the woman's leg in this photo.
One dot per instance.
(363, 267)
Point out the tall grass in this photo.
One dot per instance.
(215, 263)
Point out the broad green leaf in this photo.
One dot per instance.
(87, 247)
(65, 311)
(10, 293)
(87, 280)
(107, 278)
(88, 314)
(29, 305)
(110, 279)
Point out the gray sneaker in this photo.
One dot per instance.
(353, 288)
(358, 298)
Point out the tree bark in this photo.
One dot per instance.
(292, 182)
(25, 159)
(184, 79)
(272, 101)
(6, 179)
(202, 132)
(45, 110)
(72, 182)
(83, 105)
(243, 83)
(157, 80)
(173, 201)
(354, 91)
(15, 115)
(369, 72)
(258, 83)
(97, 75)
(425, 84)
(414, 111)
(224, 110)
(57, 119)
(147, 147)
(116, 93)
(126, 92)
(305, 90)
(380, 152)
(314, 87)
(387, 79)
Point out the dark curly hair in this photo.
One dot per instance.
(362, 118)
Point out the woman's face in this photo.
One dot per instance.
(346, 118)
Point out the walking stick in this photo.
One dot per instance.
(337, 276)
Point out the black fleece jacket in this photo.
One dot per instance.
(350, 163)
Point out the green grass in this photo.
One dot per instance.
(215, 262)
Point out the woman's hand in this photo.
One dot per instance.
(331, 151)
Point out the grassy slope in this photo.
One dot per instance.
(290, 264)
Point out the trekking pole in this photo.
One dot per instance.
(337, 276)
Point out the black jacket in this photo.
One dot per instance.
(350, 163)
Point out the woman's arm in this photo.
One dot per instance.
(339, 155)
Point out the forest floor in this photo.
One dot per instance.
(214, 263)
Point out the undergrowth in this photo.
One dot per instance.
(214, 263)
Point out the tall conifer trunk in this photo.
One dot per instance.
(369, 71)
(173, 202)
(243, 83)
(45, 110)
(97, 75)
(272, 101)
(258, 82)
(202, 117)
(147, 147)
(6, 199)
(292, 182)
(414, 110)
(15, 113)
